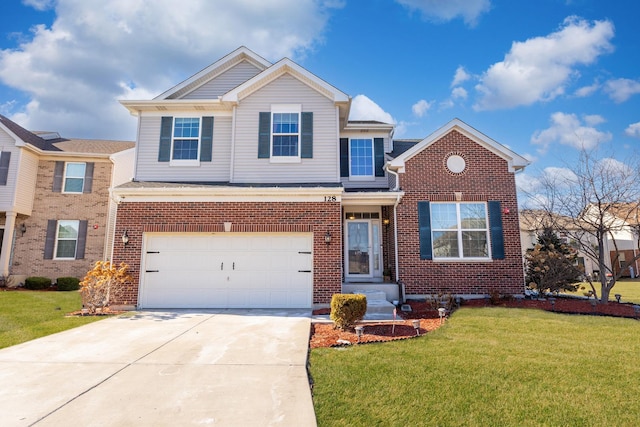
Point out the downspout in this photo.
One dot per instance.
(233, 144)
(395, 231)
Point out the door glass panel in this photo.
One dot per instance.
(358, 247)
(375, 235)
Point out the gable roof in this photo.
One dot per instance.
(54, 143)
(285, 66)
(213, 70)
(515, 161)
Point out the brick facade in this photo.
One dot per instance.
(28, 255)
(485, 178)
(318, 218)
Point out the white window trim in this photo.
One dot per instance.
(371, 177)
(64, 177)
(55, 247)
(459, 231)
(286, 108)
(186, 162)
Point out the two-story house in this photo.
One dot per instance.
(56, 216)
(253, 189)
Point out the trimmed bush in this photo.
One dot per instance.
(68, 283)
(36, 283)
(347, 309)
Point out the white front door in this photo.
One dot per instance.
(363, 249)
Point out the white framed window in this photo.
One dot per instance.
(361, 159)
(285, 133)
(185, 141)
(460, 230)
(66, 239)
(74, 174)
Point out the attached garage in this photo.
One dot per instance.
(227, 270)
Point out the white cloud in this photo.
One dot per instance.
(567, 129)
(39, 4)
(585, 91)
(460, 77)
(622, 89)
(633, 130)
(593, 119)
(421, 107)
(459, 93)
(539, 69)
(75, 71)
(363, 108)
(439, 10)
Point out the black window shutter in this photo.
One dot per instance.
(206, 144)
(164, 150)
(5, 157)
(495, 226)
(58, 173)
(378, 152)
(344, 157)
(88, 177)
(424, 226)
(306, 145)
(50, 239)
(82, 239)
(264, 135)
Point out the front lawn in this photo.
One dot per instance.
(487, 367)
(26, 315)
(629, 289)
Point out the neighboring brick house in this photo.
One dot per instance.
(253, 189)
(55, 200)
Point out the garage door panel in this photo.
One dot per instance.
(232, 270)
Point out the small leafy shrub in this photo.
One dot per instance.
(102, 284)
(36, 283)
(347, 309)
(68, 283)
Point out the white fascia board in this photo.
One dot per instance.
(227, 194)
(61, 155)
(383, 198)
(515, 161)
(369, 126)
(19, 142)
(223, 64)
(135, 107)
(281, 67)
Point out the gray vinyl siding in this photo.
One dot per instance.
(379, 181)
(323, 167)
(223, 83)
(149, 169)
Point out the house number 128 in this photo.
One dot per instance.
(330, 199)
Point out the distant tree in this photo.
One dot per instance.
(591, 202)
(551, 265)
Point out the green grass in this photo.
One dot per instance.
(26, 315)
(487, 367)
(628, 288)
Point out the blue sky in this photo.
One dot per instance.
(543, 77)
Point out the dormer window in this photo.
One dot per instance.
(361, 159)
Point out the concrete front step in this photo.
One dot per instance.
(378, 308)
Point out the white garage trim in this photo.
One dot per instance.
(226, 270)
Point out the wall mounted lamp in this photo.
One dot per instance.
(23, 228)
(327, 238)
(125, 238)
(386, 222)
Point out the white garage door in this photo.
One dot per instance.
(227, 270)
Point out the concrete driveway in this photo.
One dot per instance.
(205, 367)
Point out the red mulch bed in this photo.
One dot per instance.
(324, 335)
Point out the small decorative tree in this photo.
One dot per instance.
(103, 283)
(551, 265)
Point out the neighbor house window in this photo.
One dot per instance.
(67, 239)
(186, 138)
(285, 132)
(74, 174)
(361, 158)
(459, 230)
